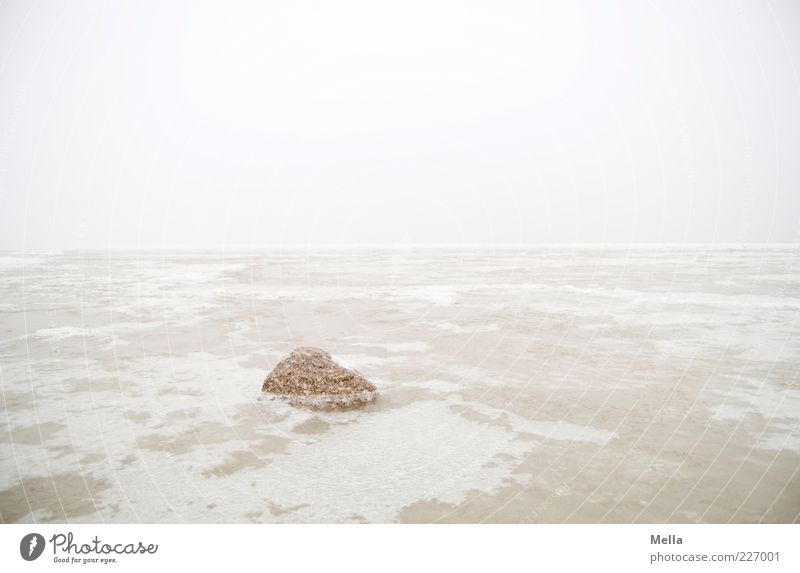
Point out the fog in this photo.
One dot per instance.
(144, 125)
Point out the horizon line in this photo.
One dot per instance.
(400, 246)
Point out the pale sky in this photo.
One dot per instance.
(224, 124)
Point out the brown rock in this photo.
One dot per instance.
(310, 377)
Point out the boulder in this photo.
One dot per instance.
(311, 378)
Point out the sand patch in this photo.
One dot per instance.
(61, 497)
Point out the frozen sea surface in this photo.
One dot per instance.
(551, 384)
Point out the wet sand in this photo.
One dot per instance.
(553, 384)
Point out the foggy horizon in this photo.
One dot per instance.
(242, 248)
(141, 126)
